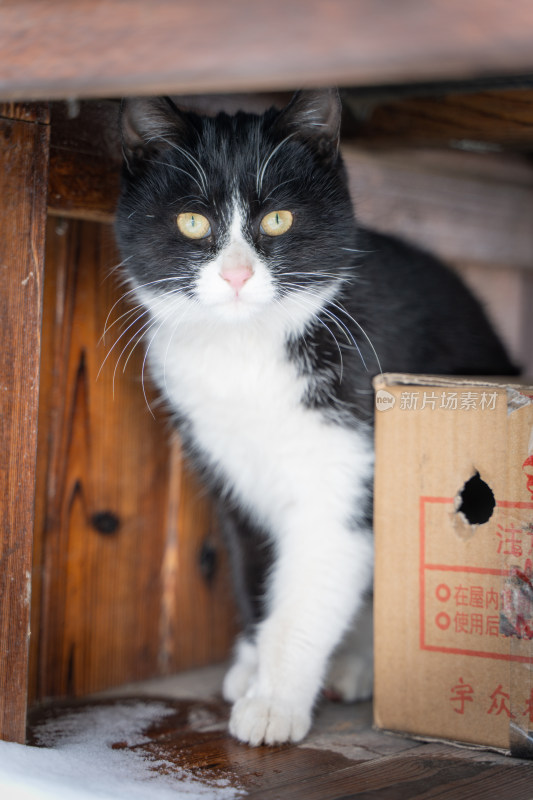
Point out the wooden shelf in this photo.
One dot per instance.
(57, 49)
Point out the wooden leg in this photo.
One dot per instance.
(24, 148)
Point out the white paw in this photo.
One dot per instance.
(351, 677)
(240, 675)
(237, 681)
(258, 720)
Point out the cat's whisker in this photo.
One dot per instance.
(131, 291)
(123, 297)
(137, 319)
(141, 333)
(276, 188)
(266, 162)
(355, 250)
(341, 308)
(140, 336)
(173, 331)
(339, 323)
(191, 159)
(163, 321)
(195, 197)
(330, 276)
(117, 266)
(300, 300)
(125, 315)
(178, 169)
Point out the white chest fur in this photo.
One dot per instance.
(243, 400)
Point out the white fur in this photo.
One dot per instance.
(222, 362)
(351, 672)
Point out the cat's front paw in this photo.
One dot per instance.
(240, 675)
(237, 681)
(259, 720)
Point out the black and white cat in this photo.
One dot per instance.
(268, 311)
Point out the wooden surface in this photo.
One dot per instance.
(85, 159)
(489, 121)
(341, 759)
(461, 206)
(56, 48)
(123, 587)
(26, 112)
(23, 172)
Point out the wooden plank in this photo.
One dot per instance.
(462, 206)
(23, 180)
(55, 48)
(82, 186)
(27, 112)
(120, 525)
(487, 121)
(85, 160)
(350, 761)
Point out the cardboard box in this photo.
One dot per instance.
(454, 560)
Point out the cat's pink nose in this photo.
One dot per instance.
(236, 275)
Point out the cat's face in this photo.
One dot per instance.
(234, 217)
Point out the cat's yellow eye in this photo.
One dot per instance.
(193, 226)
(276, 223)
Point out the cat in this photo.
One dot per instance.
(267, 310)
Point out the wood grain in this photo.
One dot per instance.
(85, 159)
(23, 178)
(55, 48)
(82, 186)
(462, 206)
(488, 121)
(121, 523)
(26, 112)
(341, 759)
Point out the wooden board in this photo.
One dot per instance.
(26, 112)
(341, 759)
(461, 206)
(122, 525)
(85, 159)
(23, 179)
(56, 48)
(489, 121)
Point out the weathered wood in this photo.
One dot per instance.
(82, 186)
(341, 759)
(120, 524)
(488, 121)
(27, 112)
(55, 48)
(85, 160)
(23, 180)
(462, 206)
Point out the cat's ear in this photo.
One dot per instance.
(150, 124)
(316, 116)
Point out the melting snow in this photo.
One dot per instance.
(78, 762)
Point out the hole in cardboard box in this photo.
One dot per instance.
(476, 500)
